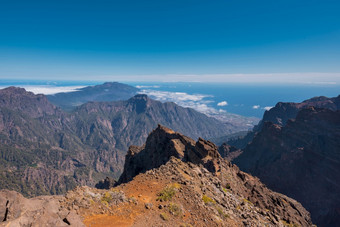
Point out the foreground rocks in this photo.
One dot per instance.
(170, 181)
(15, 210)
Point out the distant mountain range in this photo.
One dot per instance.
(45, 150)
(295, 150)
(109, 91)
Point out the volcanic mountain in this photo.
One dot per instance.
(109, 91)
(45, 150)
(171, 180)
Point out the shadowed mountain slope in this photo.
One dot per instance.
(282, 112)
(40, 141)
(301, 160)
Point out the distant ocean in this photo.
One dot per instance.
(243, 99)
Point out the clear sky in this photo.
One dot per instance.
(152, 39)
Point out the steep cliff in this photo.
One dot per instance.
(301, 160)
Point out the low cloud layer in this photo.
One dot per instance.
(223, 103)
(198, 102)
(147, 86)
(48, 90)
(267, 107)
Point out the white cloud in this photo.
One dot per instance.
(268, 107)
(147, 86)
(198, 102)
(222, 111)
(256, 107)
(223, 103)
(48, 89)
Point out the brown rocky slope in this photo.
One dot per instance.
(186, 184)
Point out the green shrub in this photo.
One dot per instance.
(221, 213)
(247, 201)
(164, 216)
(175, 209)
(168, 192)
(207, 200)
(107, 197)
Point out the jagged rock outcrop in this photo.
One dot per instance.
(107, 183)
(164, 144)
(282, 111)
(301, 160)
(229, 152)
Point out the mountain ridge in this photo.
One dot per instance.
(300, 159)
(39, 139)
(176, 192)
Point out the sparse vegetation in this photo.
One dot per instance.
(175, 209)
(164, 216)
(207, 200)
(221, 213)
(225, 190)
(247, 201)
(105, 203)
(107, 197)
(168, 192)
(290, 224)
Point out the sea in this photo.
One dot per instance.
(250, 100)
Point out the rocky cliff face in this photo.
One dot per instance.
(164, 143)
(229, 152)
(189, 184)
(301, 160)
(40, 141)
(14, 98)
(284, 111)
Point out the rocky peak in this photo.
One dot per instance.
(162, 144)
(139, 103)
(171, 155)
(16, 98)
(282, 112)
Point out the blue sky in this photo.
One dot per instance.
(157, 40)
